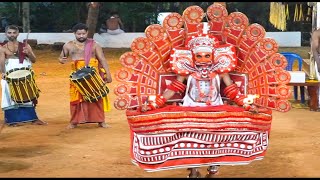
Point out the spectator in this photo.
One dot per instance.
(114, 24)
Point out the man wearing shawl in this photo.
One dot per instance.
(85, 52)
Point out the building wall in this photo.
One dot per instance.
(284, 39)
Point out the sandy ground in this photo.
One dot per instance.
(88, 151)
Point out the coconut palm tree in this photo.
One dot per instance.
(92, 19)
(26, 16)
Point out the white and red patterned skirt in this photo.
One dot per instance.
(183, 137)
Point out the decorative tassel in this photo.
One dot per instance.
(295, 18)
(301, 17)
(287, 12)
(309, 14)
(279, 15)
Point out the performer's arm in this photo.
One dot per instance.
(159, 101)
(315, 47)
(29, 52)
(175, 86)
(103, 61)
(233, 92)
(64, 54)
(2, 62)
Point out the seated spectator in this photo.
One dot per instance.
(114, 24)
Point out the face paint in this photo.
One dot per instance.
(203, 58)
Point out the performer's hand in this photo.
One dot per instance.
(248, 103)
(251, 108)
(108, 80)
(153, 102)
(3, 75)
(63, 60)
(145, 108)
(26, 50)
(255, 109)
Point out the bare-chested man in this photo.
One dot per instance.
(15, 54)
(315, 48)
(83, 111)
(114, 24)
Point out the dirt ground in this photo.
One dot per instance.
(88, 151)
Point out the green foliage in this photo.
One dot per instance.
(257, 12)
(12, 11)
(136, 16)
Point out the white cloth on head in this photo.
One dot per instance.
(202, 49)
(6, 101)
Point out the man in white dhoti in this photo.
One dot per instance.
(114, 24)
(15, 54)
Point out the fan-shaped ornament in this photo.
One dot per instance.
(155, 32)
(191, 83)
(140, 45)
(173, 21)
(193, 14)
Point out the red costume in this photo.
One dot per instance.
(205, 132)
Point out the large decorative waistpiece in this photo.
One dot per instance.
(210, 118)
(182, 137)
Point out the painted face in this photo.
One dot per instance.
(81, 35)
(12, 34)
(203, 58)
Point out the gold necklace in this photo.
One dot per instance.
(14, 51)
(78, 46)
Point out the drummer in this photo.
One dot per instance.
(84, 51)
(15, 54)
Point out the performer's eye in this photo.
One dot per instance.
(207, 56)
(199, 56)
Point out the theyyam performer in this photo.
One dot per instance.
(201, 93)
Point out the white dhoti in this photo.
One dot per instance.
(14, 112)
(6, 102)
(115, 32)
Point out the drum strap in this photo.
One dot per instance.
(88, 51)
(21, 54)
(20, 51)
(4, 42)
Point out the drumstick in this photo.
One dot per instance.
(64, 54)
(26, 40)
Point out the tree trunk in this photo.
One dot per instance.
(26, 16)
(92, 19)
